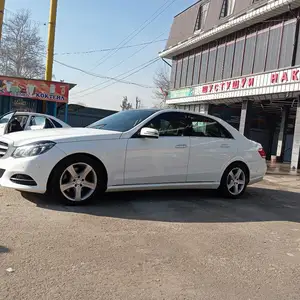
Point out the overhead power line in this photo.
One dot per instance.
(101, 76)
(129, 38)
(118, 76)
(118, 64)
(140, 69)
(110, 49)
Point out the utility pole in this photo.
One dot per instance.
(137, 103)
(51, 39)
(2, 5)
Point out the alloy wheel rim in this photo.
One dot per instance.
(236, 181)
(78, 182)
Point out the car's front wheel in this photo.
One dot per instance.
(77, 180)
(234, 181)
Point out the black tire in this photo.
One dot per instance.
(55, 180)
(224, 186)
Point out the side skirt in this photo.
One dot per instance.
(164, 186)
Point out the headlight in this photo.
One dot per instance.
(33, 149)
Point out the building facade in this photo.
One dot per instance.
(32, 95)
(240, 60)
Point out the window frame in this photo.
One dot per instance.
(190, 69)
(197, 59)
(286, 23)
(214, 48)
(221, 127)
(250, 36)
(229, 6)
(241, 40)
(54, 121)
(137, 133)
(199, 21)
(221, 45)
(229, 43)
(201, 69)
(274, 27)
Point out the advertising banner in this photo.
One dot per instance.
(34, 89)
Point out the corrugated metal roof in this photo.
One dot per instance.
(241, 19)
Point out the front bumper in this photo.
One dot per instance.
(37, 167)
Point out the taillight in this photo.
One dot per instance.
(262, 152)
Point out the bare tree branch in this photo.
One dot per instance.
(162, 84)
(125, 105)
(22, 49)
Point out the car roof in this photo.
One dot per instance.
(32, 114)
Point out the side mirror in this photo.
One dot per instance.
(147, 132)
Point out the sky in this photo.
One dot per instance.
(100, 24)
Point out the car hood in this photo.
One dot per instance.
(59, 135)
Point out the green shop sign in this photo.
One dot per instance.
(181, 93)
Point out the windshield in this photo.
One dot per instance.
(122, 121)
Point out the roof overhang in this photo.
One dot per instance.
(244, 20)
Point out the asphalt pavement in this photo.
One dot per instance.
(152, 245)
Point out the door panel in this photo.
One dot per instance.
(162, 160)
(211, 148)
(208, 157)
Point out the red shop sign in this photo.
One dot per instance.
(228, 85)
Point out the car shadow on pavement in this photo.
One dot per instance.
(258, 204)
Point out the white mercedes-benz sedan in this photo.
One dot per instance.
(132, 150)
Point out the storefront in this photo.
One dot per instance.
(20, 94)
(240, 61)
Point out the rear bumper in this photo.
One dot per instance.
(38, 168)
(255, 180)
(258, 170)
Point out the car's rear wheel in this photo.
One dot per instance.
(77, 180)
(234, 181)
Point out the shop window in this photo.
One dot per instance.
(190, 69)
(178, 73)
(203, 68)
(273, 48)
(238, 57)
(201, 18)
(227, 8)
(220, 62)
(287, 45)
(184, 71)
(249, 55)
(228, 60)
(211, 64)
(197, 68)
(173, 74)
(260, 52)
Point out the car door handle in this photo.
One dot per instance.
(225, 146)
(181, 146)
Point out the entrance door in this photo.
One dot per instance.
(162, 160)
